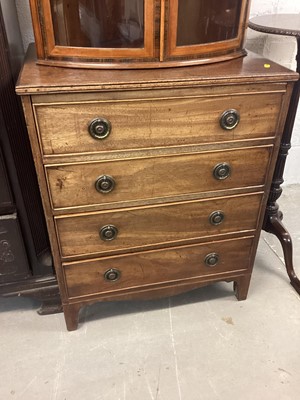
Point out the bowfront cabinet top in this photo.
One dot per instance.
(138, 33)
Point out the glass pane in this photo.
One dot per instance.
(206, 21)
(98, 23)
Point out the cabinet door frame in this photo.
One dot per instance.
(173, 50)
(46, 46)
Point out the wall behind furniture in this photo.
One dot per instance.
(280, 49)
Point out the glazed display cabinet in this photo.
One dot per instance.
(138, 33)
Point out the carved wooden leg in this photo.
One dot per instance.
(71, 312)
(241, 287)
(273, 216)
(276, 227)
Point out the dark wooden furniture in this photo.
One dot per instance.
(154, 182)
(138, 33)
(287, 25)
(25, 260)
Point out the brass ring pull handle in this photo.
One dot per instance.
(212, 259)
(216, 217)
(105, 184)
(112, 275)
(229, 119)
(222, 171)
(108, 232)
(99, 128)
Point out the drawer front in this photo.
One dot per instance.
(157, 177)
(157, 267)
(138, 124)
(80, 235)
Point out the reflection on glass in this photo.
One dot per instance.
(98, 23)
(207, 21)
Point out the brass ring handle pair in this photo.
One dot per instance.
(113, 274)
(106, 183)
(100, 127)
(110, 232)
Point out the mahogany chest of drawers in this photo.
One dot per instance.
(154, 182)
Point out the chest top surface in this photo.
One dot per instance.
(35, 79)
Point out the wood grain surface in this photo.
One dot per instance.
(73, 185)
(63, 128)
(161, 225)
(157, 267)
(40, 79)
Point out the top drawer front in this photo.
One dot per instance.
(135, 124)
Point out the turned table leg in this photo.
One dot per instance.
(273, 216)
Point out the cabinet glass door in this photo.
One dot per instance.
(103, 28)
(138, 33)
(98, 23)
(203, 23)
